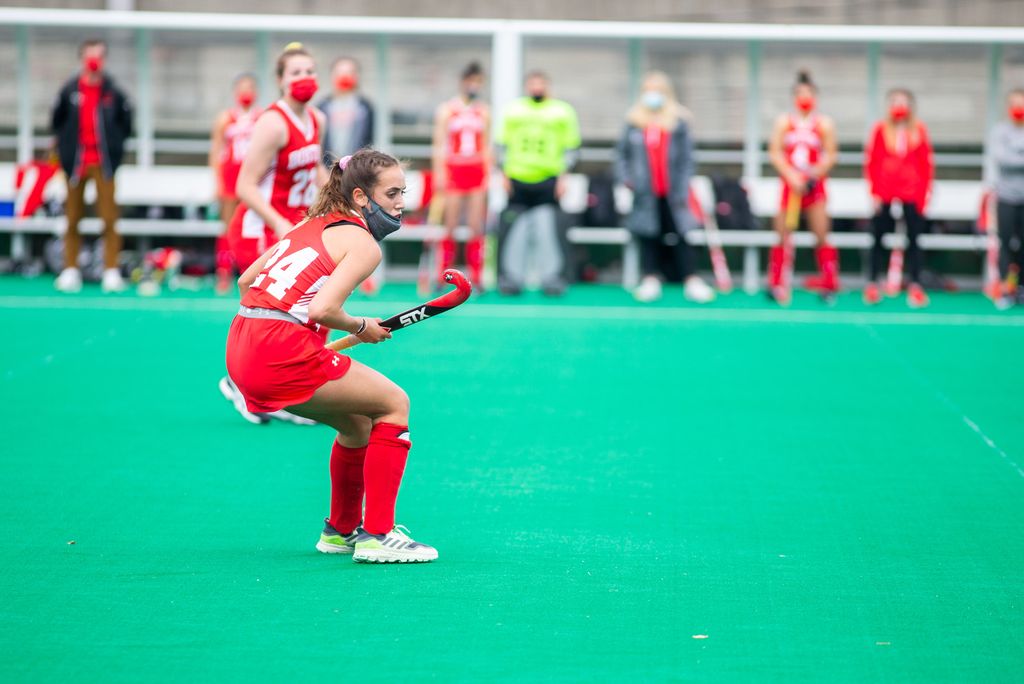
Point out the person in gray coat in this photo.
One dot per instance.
(655, 159)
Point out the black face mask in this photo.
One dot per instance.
(380, 222)
(538, 98)
(472, 94)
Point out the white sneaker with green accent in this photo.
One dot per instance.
(333, 541)
(394, 547)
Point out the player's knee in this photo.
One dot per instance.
(398, 406)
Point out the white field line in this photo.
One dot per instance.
(514, 311)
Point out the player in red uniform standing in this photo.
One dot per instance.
(278, 179)
(461, 160)
(803, 150)
(229, 144)
(899, 168)
(290, 297)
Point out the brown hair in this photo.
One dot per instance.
(362, 170)
(92, 42)
(803, 78)
(290, 50)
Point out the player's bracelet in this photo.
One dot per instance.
(362, 327)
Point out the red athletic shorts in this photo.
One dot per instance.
(277, 364)
(246, 250)
(466, 177)
(229, 180)
(817, 194)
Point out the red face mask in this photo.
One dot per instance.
(245, 99)
(804, 103)
(346, 82)
(899, 112)
(93, 64)
(303, 89)
(1017, 113)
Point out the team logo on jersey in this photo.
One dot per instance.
(304, 156)
(414, 316)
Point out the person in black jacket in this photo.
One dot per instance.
(91, 119)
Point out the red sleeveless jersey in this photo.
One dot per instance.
(298, 267)
(802, 142)
(289, 184)
(237, 135)
(465, 133)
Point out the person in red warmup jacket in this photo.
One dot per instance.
(899, 168)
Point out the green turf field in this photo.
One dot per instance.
(826, 494)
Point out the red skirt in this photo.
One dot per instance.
(817, 194)
(277, 364)
(466, 177)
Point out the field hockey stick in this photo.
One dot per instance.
(435, 307)
(793, 208)
(894, 278)
(719, 265)
(987, 222)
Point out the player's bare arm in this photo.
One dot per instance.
(269, 135)
(358, 255)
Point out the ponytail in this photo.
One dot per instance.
(359, 170)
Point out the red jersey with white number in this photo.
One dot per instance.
(237, 135)
(288, 185)
(298, 267)
(465, 133)
(802, 142)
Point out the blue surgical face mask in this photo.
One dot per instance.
(380, 222)
(653, 99)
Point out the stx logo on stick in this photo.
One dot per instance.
(414, 316)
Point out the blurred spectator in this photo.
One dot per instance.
(654, 158)
(461, 160)
(803, 150)
(899, 168)
(349, 114)
(229, 143)
(91, 120)
(1006, 170)
(539, 142)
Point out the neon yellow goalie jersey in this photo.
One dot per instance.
(536, 136)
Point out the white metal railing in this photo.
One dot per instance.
(507, 46)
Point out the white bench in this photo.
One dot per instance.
(192, 187)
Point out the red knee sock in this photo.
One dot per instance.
(475, 259)
(382, 473)
(776, 259)
(225, 262)
(828, 265)
(446, 257)
(346, 487)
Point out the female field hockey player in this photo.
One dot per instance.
(461, 160)
(803, 150)
(290, 297)
(278, 180)
(229, 143)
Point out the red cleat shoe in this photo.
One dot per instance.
(916, 298)
(872, 295)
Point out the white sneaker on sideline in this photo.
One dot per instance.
(112, 281)
(696, 290)
(649, 290)
(69, 280)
